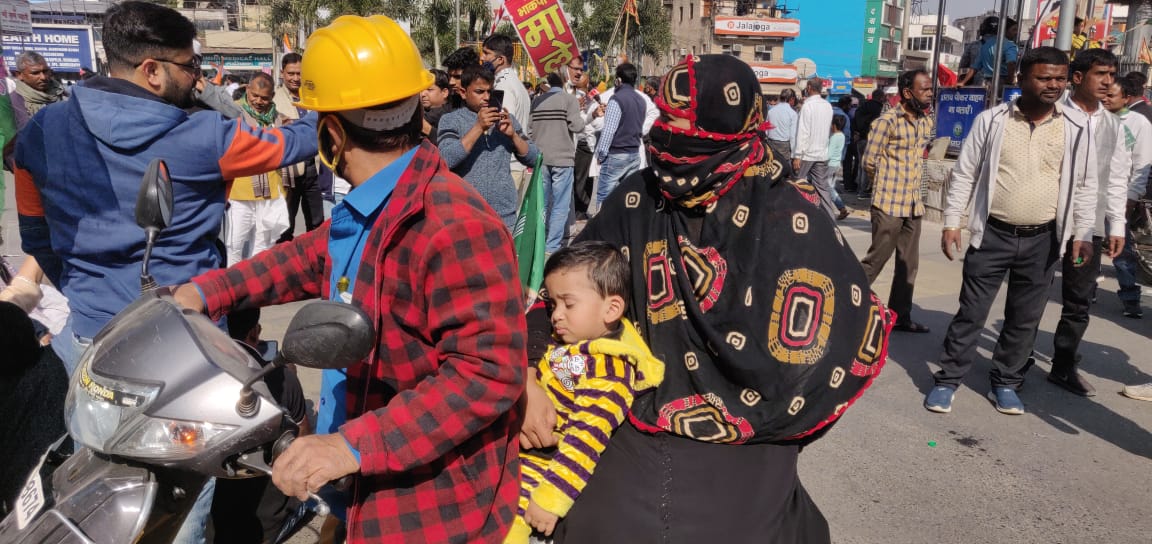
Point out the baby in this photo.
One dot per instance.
(599, 366)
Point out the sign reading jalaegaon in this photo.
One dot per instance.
(753, 26)
(544, 30)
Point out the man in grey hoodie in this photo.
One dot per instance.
(556, 118)
(1027, 175)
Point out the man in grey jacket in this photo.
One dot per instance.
(555, 119)
(1093, 72)
(1027, 174)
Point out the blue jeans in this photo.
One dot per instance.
(69, 347)
(615, 168)
(558, 193)
(1127, 267)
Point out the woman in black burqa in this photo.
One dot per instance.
(758, 308)
(33, 385)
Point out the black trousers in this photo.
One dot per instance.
(902, 235)
(863, 183)
(581, 183)
(1029, 263)
(1076, 287)
(306, 191)
(851, 164)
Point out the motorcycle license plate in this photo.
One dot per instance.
(31, 498)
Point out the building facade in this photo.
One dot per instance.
(754, 31)
(920, 44)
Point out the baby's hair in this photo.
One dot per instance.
(606, 265)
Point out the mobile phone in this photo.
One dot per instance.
(496, 99)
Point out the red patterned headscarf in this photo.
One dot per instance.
(720, 96)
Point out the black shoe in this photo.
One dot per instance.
(1072, 381)
(1132, 309)
(911, 326)
(865, 196)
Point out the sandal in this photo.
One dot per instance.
(911, 326)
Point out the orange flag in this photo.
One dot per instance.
(630, 9)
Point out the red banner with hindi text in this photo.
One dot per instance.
(544, 30)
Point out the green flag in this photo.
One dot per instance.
(529, 235)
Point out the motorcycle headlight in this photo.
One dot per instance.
(107, 415)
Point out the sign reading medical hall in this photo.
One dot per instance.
(754, 26)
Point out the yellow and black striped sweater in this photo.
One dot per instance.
(591, 384)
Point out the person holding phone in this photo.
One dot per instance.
(477, 142)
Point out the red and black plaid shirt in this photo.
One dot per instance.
(432, 410)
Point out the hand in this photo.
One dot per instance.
(189, 297)
(600, 110)
(487, 117)
(950, 241)
(539, 418)
(505, 126)
(540, 519)
(312, 461)
(1081, 253)
(1115, 246)
(426, 129)
(795, 166)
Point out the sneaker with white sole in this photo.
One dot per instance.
(939, 399)
(1139, 392)
(1006, 401)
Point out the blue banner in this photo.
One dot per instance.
(1010, 94)
(66, 48)
(841, 85)
(956, 110)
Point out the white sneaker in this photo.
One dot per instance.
(1139, 392)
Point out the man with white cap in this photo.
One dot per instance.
(431, 428)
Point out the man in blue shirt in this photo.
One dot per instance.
(783, 119)
(1009, 56)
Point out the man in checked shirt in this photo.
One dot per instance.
(428, 423)
(894, 162)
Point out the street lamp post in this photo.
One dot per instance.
(936, 49)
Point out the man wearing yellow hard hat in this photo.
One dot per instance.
(430, 424)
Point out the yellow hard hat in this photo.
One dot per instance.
(360, 62)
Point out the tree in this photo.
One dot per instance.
(595, 23)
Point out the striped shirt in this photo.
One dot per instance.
(592, 385)
(894, 160)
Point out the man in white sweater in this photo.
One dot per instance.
(810, 143)
(1092, 73)
(1138, 144)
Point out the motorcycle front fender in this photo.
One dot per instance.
(95, 499)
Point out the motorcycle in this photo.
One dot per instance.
(1140, 222)
(164, 400)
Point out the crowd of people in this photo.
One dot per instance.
(670, 336)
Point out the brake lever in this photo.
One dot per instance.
(256, 463)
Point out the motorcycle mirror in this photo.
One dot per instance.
(154, 202)
(153, 213)
(328, 334)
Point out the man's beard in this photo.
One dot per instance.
(182, 100)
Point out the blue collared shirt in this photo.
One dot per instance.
(351, 221)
